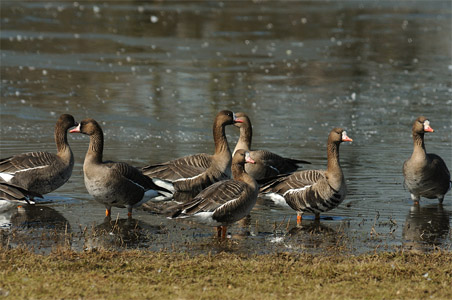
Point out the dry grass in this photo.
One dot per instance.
(149, 275)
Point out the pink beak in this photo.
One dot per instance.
(76, 129)
(346, 139)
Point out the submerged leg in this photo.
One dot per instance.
(129, 212)
(317, 216)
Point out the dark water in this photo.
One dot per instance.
(156, 74)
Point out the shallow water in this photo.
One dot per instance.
(156, 74)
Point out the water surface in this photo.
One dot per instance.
(155, 75)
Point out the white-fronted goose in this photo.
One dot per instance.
(313, 191)
(224, 202)
(193, 173)
(112, 183)
(42, 172)
(426, 174)
(268, 164)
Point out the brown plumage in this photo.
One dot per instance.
(113, 183)
(42, 172)
(268, 164)
(426, 174)
(224, 202)
(313, 191)
(11, 192)
(193, 173)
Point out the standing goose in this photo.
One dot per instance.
(224, 202)
(42, 172)
(193, 173)
(112, 183)
(426, 174)
(268, 164)
(313, 191)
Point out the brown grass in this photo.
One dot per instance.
(149, 275)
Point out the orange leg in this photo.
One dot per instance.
(108, 212)
(129, 214)
(299, 218)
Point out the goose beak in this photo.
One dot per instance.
(248, 158)
(236, 120)
(76, 129)
(427, 128)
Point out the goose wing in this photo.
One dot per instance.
(208, 200)
(297, 180)
(26, 161)
(276, 163)
(134, 175)
(184, 167)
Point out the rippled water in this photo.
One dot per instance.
(156, 74)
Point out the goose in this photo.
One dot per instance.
(224, 202)
(313, 191)
(42, 172)
(426, 174)
(195, 172)
(113, 183)
(268, 164)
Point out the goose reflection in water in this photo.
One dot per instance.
(120, 233)
(312, 235)
(38, 226)
(426, 226)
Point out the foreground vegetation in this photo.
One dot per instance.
(149, 275)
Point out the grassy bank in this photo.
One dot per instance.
(141, 275)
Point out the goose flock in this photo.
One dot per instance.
(219, 188)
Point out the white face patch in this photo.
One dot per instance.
(344, 134)
(426, 124)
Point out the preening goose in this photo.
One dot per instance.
(112, 183)
(224, 202)
(193, 173)
(313, 191)
(426, 174)
(268, 164)
(42, 172)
